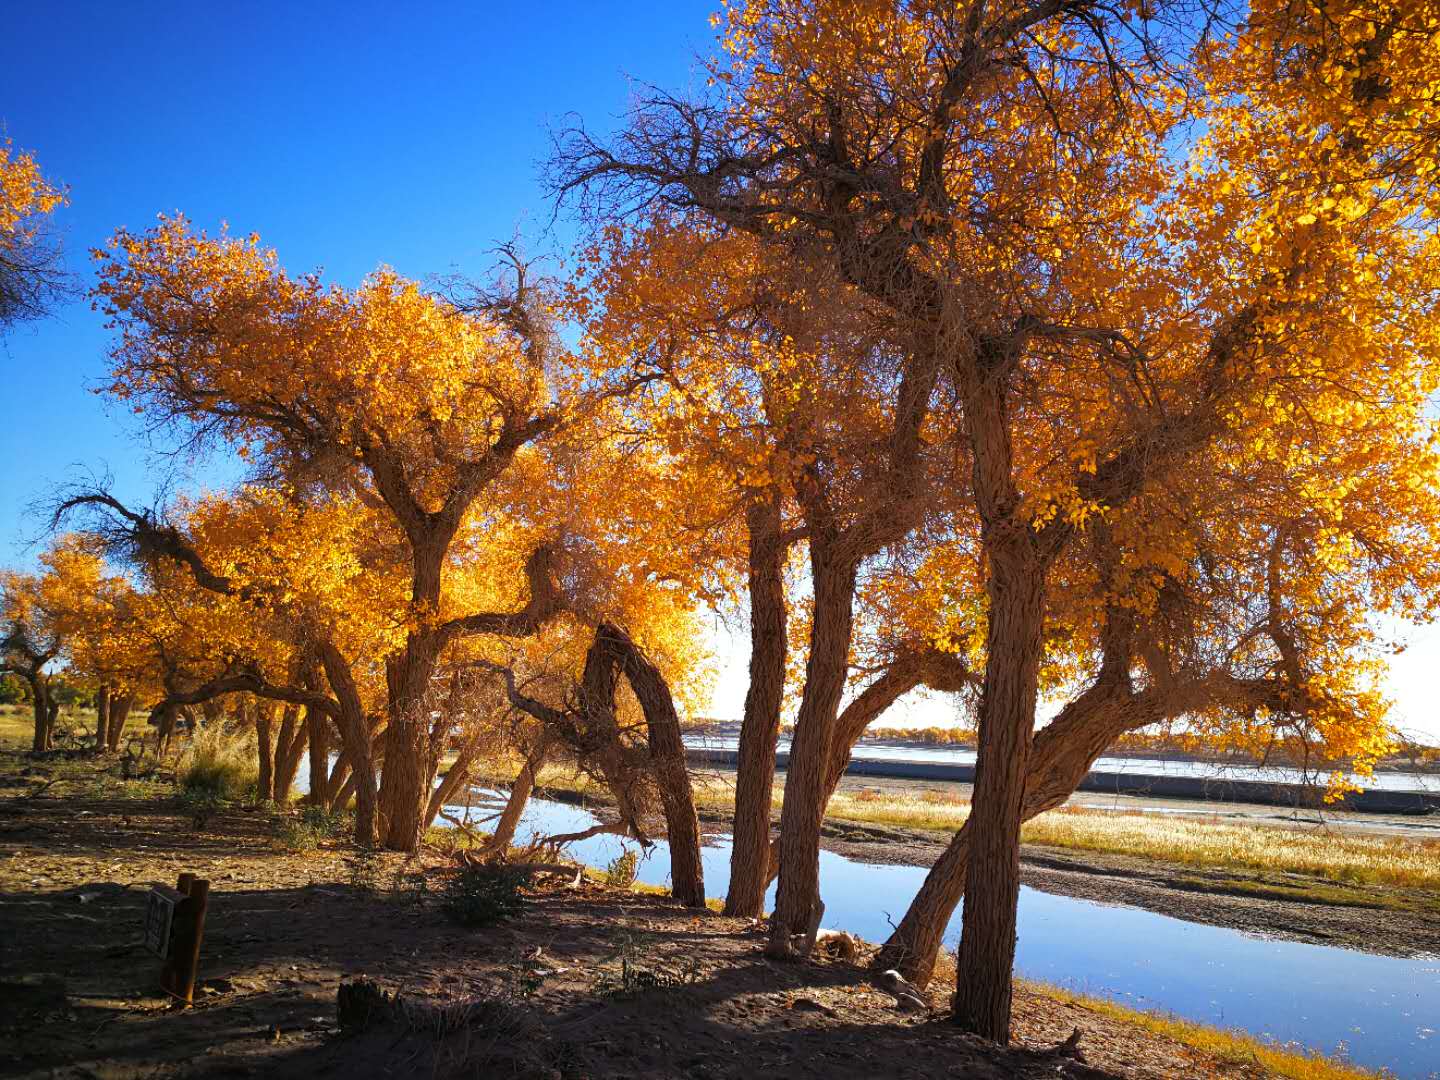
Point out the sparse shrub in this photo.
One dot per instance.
(327, 822)
(365, 867)
(485, 895)
(200, 804)
(296, 835)
(408, 888)
(623, 870)
(449, 840)
(633, 971)
(223, 765)
(305, 831)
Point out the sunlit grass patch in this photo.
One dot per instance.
(1344, 858)
(1197, 841)
(1223, 1044)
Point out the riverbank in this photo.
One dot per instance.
(1213, 881)
(77, 994)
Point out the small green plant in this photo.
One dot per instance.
(632, 971)
(200, 805)
(485, 895)
(623, 870)
(223, 765)
(296, 835)
(328, 823)
(408, 888)
(365, 867)
(306, 830)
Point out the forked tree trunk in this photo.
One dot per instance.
(317, 736)
(1014, 641)
(797, 899)
(1062, 755)
(102, 718)
(750, 860)
(355, 735)
(289, 749)
(336, 781)
(667, 758)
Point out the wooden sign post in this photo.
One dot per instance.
(174, 925)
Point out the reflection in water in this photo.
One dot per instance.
(1383, 1011)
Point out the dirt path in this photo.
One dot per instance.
(541, 997)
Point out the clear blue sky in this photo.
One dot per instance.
(347, 135)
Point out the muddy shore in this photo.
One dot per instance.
(1378, 919)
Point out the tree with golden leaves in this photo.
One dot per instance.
(1161, 264)
(31, 276)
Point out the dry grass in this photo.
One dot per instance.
(1351, 859)
(1221, 1043)
(17, 724)
(1341, 857)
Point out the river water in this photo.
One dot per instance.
(1379, 1011)
(956, 755)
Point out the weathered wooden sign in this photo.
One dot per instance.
(174, 925)
(160, 918)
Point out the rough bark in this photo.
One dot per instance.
(504, 834)
(1062, 754)
(667, 758)
(265, 745)
(898, 679)
(355, 736)
(102, 718)
(336, 781)
(797, 897)
(44, 711)
(317, 734)
(403, 790)
(1007, 718)
(120, 706)
(409, 745)
(750, 857)
(289, 748)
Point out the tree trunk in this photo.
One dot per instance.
(760, 729)
(355, 735)
(455, 777)
(119, 714)
(265, 744)
(102, 718)
(317, 736)
(504, 834)
(403, 790)
(1014, 642)
(44, 715)
(289, 749)
(336, 781)
(667, 758)
(899, 679)
(1063, 753)
(797, 899)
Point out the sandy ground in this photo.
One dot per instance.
(534, 998)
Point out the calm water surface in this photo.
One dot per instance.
(869, 751)
(1381, 1011)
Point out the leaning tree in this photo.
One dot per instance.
(1141, 244)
